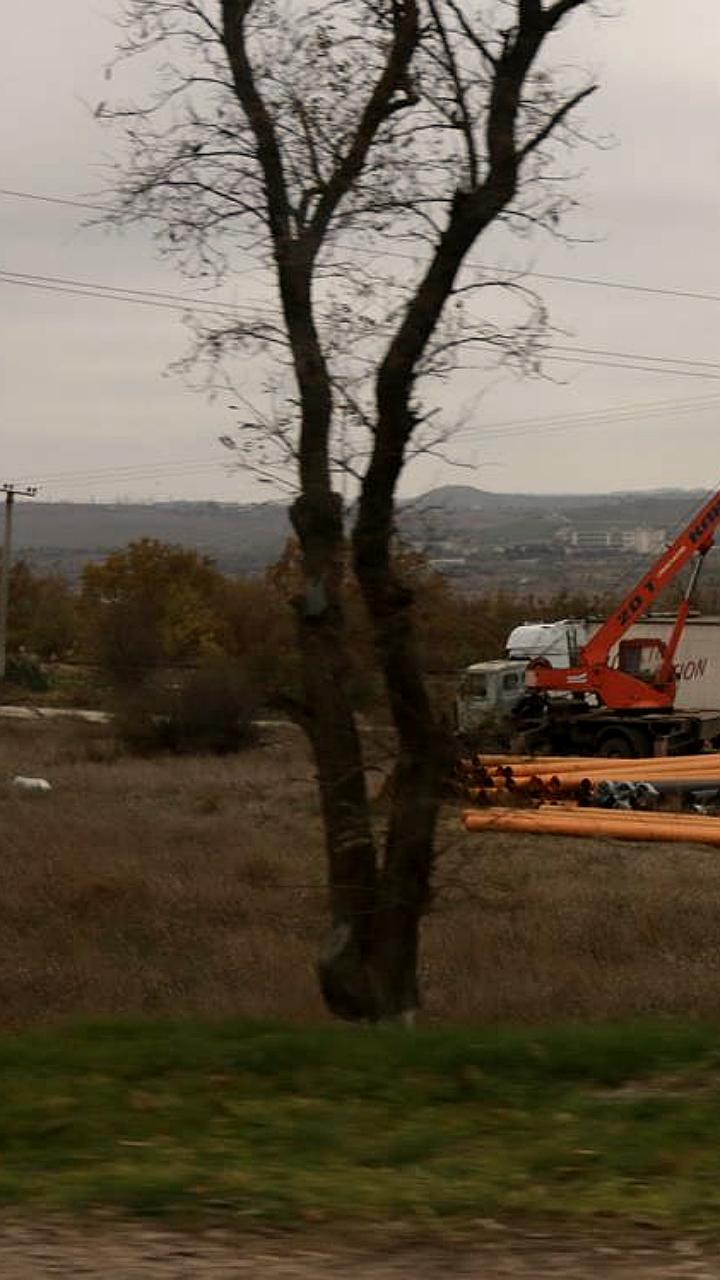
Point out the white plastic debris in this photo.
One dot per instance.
(31, 784)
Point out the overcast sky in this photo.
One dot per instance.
(89, 410)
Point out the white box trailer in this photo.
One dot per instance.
(697, 664)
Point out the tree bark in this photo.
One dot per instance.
(344, 965)
(368, 967)
(424, 751)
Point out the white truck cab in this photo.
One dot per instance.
(557, 642)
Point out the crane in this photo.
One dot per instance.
(642, 678)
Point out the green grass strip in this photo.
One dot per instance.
(268, 1125)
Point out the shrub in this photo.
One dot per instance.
(152, 604)
(43, 617)
(26, 673)
(206, 711)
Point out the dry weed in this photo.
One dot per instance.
(165, 886)
(531, 928)
(181, 886)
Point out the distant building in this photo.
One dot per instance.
(642, 540)
(448, 564)
(647, 542)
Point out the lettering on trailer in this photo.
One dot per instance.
(626, 614)
(692, 669)
(709, 519)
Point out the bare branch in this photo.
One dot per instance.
(464, 121)
(469, 215)
(557, 11)
(234, 14)
(381, 104)
(470, 34)
(554, 120)
(314, 159)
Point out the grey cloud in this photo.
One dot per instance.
(82, 379)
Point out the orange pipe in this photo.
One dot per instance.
(605, 765)
(661, 764)
(530, 783)
(591, 815)
(572, 764)
(588, 811)
(568, 781)
(568, 824)
(543, 759)
(488, 761)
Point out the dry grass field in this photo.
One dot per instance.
(195, 886)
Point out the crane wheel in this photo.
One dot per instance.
(623, 744)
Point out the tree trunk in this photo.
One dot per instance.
(404, 883)
(404, 886)
(368, 967)
(345, 964)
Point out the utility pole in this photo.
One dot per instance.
(11, 493)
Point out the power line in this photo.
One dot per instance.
(616, 364)
(139, 471)
(34, 195)
(149, 297)
(119, 293)
(106, 296)
(632, 355)
(503, 429)
(638, 368)
(595, 282)
(510, 428)
(98, 473)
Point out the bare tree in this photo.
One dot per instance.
(330, 138)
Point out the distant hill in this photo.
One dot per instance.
(507, 518)
(654, 505)
(455, 497)
(65, 535)
(457, 523)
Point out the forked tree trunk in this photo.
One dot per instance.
(368, 967)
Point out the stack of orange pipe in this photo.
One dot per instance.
(614, 823)
(487, 778)
(545, 776)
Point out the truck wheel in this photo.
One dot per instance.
(619, 745)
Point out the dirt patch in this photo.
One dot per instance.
(127, 1252)
(688, 1085)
